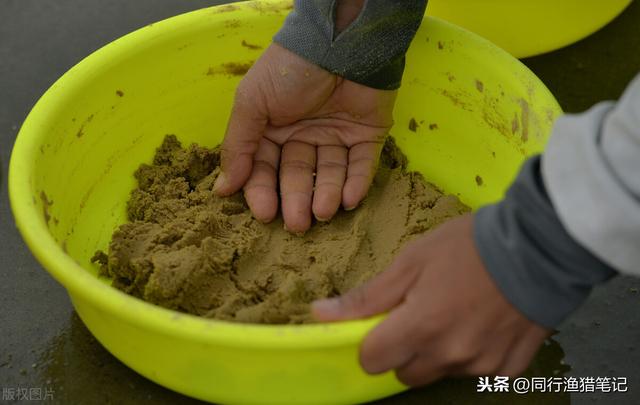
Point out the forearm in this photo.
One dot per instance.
(537, 265)
(592, 171)
(346, 13)
(572, 218)
(367, 46)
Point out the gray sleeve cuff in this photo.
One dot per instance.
(371, 51)
(535, 263)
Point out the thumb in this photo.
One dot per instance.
(381, 294)
(245, 129)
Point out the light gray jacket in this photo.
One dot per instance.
(571, 219)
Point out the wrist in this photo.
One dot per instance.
(347, 11)
(536, 264)
(372, 46)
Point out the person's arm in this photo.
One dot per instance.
(573, 217)
(592, 171)
(370, 50)
(479, 294)
(535, 263)
(310, 117)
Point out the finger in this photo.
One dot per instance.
(331, 172)
(380, 294)
(487, 363)
(260, 190)
(523, 352)
(420, 370)
(391, 344)
(363, 160)
(244, 131)
(297, 166)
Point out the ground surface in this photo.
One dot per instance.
(43, 344)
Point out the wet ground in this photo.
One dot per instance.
(44, 345)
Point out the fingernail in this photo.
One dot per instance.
(330, 306)
(351, 208)
(220, 182)
(322, 219)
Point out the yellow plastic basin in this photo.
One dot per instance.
(529, 27)
(72, 164)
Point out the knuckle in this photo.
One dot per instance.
(261, 164)
(287, 194)
(366, 161)
(484, 367)
(296, 165)
(434, 324)
(255, 185)
(242, 96)
(364, 178)
(330, 164)
(354, 299)
(459, 354)
(426, 329)
(328, 186)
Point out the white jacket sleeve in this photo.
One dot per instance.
(591, 170)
